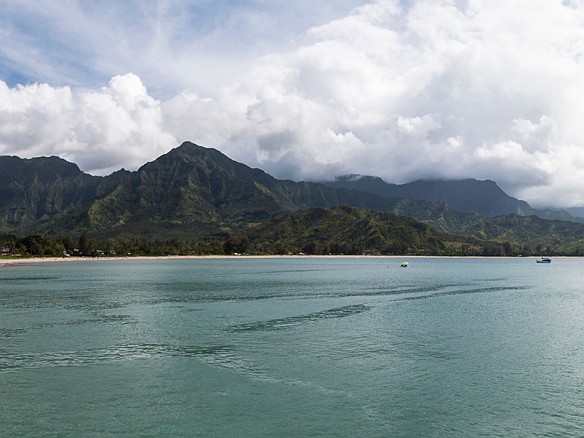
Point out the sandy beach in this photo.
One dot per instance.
(25, 261)
(33, 260)
(9, 261)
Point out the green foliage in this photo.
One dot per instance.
(87, 246)
(528, 235)
(195, 200)
(346, 230)
(40, 246)
(315, 231)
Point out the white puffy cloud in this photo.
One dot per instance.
(430, 89)
(398, 89)
(119, 125)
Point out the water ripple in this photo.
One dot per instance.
(15, 360)
(9, 333)
(293, 321)
(466, 292)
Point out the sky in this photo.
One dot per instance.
(305, 90)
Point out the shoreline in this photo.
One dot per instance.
(7, 261)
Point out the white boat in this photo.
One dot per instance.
(544, 260)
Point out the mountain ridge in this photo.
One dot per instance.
(194, 193)
(196, 185)
(465, 195)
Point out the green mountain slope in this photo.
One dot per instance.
(38, 189)
(197, 190)
(345, 230)
(531, 235)
(468, 195)
(195, 193)
(189, 191)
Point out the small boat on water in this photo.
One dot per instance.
(544, 260)
(404, 265)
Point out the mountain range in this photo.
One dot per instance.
(467, 195)
(194, 192)
(191, 188)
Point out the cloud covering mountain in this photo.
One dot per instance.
(404, 90)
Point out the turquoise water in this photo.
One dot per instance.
(292, 347)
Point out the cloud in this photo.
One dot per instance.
(171, 44)
(433, 89)
(399, 89)
(118, 125)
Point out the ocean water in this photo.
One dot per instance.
(293, 347)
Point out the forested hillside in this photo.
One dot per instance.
(197, 200)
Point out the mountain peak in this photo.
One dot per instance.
(466, 195)
(44, 168)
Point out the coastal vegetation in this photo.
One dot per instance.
(321, 231)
